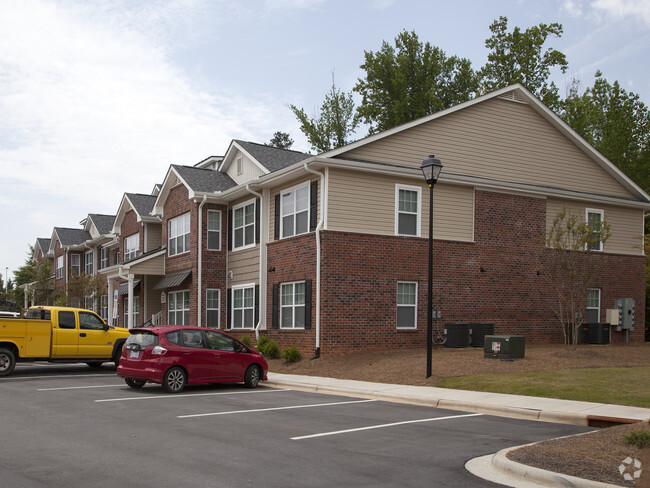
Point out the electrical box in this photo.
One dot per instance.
(611, 316)
(504, 346)
(625, 308)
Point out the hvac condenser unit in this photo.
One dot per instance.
(504, 346)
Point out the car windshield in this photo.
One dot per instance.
(142, 339)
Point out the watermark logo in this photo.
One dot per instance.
(630, 469)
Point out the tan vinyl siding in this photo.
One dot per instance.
(153, 237)
(250, 171)
(626, 224)
(152, 303)
(365, 203)
(152, 266)
(244, 266)
(497, 139)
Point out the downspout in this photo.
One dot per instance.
(319, 226)
(200, 261)
(262, 262)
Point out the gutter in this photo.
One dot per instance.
(262, 278)
(200, 262)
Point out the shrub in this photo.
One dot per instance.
(268, 347)
(246, 340)
(292, 354)
(638, 438)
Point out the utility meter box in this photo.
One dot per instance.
(612, 317)
(625, 308)
(504, 346)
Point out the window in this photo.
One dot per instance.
(240, 165)
(243, 307)
(66, 320)
(75, 264)
(593, 305)
(131, 246)
(88, 263)
(193, 338)
(179, 234)
(407, 206)
(212, 308)
(221, 342)
(90, 321)
(103, 263)
(214, 230)
(59, 267)
(89, 302)
(136, 311)
(295, 212)
(178, 307)
(244, 225)
(103, 307)
(292, 305)
(407, 293)
(595, 221)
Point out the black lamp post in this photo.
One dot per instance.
(431, 168)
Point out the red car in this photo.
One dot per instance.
(175, 356)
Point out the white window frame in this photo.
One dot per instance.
(172, 298)
(104, 259)
(103, 307)
(213, 231)
(244, 308)
(600, 213)
(291, 193)
(131, 246)
(589, 292)
(239, 165)
(136, 311)
(75, 267)
(242, 206)
(418, 213)
(59, 267)
(399, 305)
(179, 229)
(209, 308)
(88, 262)
(293, 307)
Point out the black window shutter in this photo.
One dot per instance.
(274, 306)
(307, 304)
(276, 233)
(230, 224)
(257, 221)
(257, 304)
(229, 308)
(313, 205)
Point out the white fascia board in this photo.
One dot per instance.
(159, 205)
(230, 154)
(121, 212)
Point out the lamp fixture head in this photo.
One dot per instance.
(431, 168)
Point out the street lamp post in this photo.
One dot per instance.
(431, 168)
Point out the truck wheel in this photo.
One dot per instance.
(7, 361)
(117, 354)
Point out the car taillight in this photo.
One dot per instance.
(158, 351)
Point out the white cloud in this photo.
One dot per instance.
(624, 9)
(571, 8)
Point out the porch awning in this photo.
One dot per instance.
(172, 280)
(124, 287)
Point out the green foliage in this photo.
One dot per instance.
(335, 124)
(246, 341)
(281, 140)
(27, 273)
(268, 347)
(638, 438)
(411, 80)
(517, 57)
(292, 354)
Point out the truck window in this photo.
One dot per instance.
(38, 314)
(66, 320)
(90, 321)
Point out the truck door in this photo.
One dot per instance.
(65, 335)
(94, 340)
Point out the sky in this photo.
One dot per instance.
(99, 97)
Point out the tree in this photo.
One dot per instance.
(411, 80)
(82, 287)
(335, 124)
(571, 267)
(517, 57)
(44, 292)
(25, 274)
(281, 140)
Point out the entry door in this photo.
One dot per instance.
(65, 339)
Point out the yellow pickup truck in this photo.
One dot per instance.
(59, 334)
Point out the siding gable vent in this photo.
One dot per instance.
(513, 96)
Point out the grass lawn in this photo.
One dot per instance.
(618, 386)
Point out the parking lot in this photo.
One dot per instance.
(73, 426)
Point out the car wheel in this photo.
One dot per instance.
(252, 376)
(7, 362)
(94, 364)
(175, 380)
(135, 383)
(117, 354)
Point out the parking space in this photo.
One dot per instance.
(75, 426)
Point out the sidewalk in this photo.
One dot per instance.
(495, 467)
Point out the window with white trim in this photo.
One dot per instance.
(59, 267)
(136, 311)
(104, 256)
(243, 307)
(295, 211)
(103, 307)
(243, 226)
(292, 305)
(595, 221)
(132, 246)
(89, 303)
(407, 293)
(179, 235)
(75, 264)
(214, 230)
(212, 306)
(593, 305)
(178, 307)
(407, 210)
(88, 263)
(239, 165)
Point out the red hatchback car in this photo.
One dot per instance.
(175, 356)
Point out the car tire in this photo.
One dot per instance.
(95, 364)
(135, 383)
(7, 361)
(117, 354)
(175, 380)
(252, 376)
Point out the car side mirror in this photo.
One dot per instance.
(106, 327)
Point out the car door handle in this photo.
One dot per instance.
(83, 334)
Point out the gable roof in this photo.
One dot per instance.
(268, 158)
(43, 244)
(140, 203)
(103, 223)
(69, 238)
(202, 179)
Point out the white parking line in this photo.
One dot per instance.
(18, 378)
(358, 429)
(272, 409)
(174, 395)
(80, 387)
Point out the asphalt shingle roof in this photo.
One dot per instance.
(103, 223)
(44, 243)
(204, 180)
(273, 158)
(143, 204)
(72, 237)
